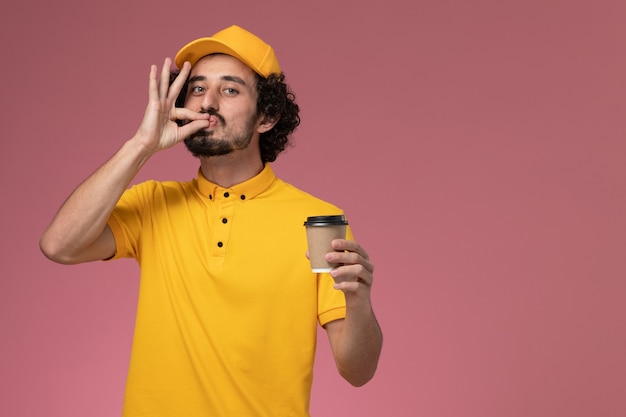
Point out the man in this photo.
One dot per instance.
(228, 305)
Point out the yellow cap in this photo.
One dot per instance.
(234, 41)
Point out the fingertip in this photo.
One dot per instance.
(337, 243)
(153, 71)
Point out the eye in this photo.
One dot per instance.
(229, 91)
(197, 90)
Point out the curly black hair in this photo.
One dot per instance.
(275, 100)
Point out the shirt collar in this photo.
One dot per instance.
(245, 190)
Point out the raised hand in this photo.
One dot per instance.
(159, 129)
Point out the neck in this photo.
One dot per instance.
(229, 170)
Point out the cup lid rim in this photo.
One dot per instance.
(328, 220)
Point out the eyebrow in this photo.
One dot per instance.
(231, 78)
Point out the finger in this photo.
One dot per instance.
(349, 258)
(355, 273)
(191, 128)
(153, 91)
(181, 113)
(164, 85)
(347, 286)
(350, 246)
(179, 82)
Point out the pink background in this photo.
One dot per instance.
(478, 148)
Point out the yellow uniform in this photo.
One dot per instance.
(228, 306)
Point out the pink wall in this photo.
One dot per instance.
(478, 148)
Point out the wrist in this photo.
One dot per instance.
(137, 150)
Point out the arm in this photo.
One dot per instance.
(79, 231)
(356, 341)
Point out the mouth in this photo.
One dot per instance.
(213, 121)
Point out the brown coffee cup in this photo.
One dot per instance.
(320, 232)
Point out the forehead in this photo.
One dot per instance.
(220, 65)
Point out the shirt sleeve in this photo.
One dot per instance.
(126, 221)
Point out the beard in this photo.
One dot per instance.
(205, 143)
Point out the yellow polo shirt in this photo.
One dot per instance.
(228, 307)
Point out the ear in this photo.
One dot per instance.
(266, 124)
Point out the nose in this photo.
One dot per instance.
(210, 102)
